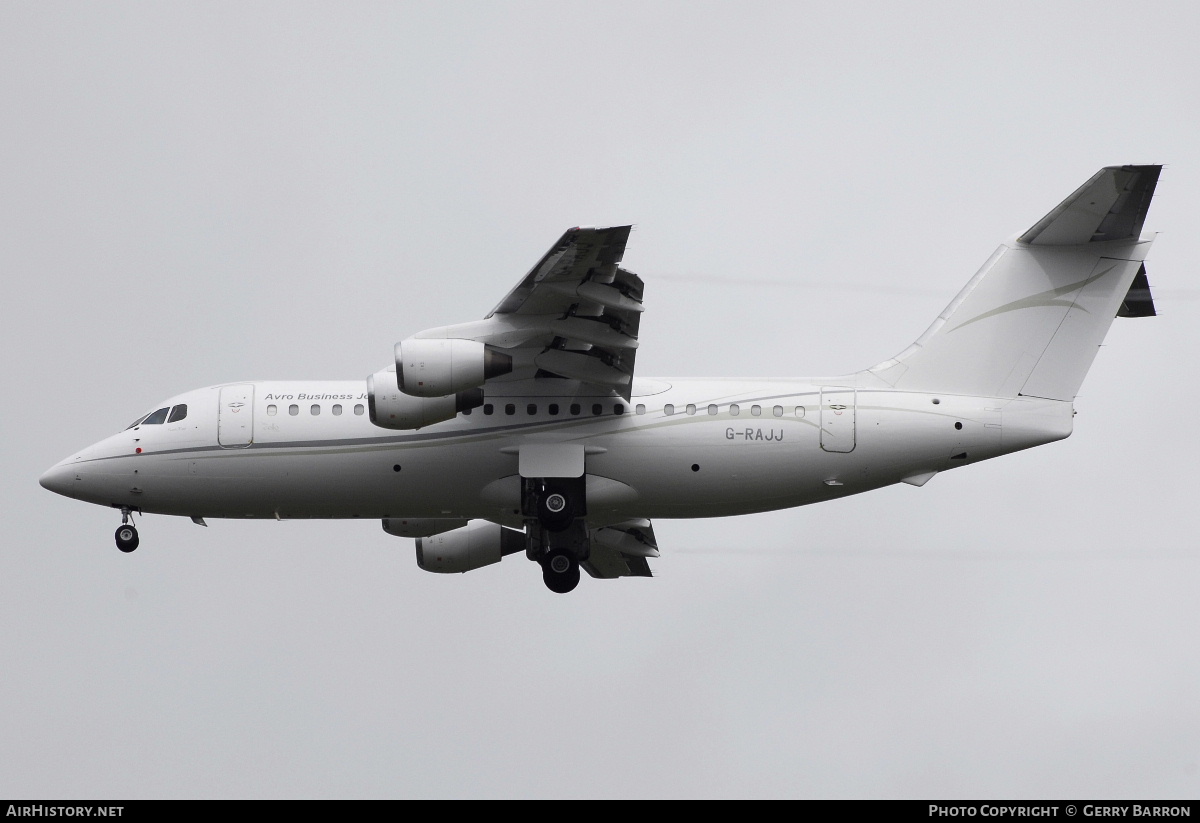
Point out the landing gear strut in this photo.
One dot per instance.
(555, 502)
(127, 536)
(556, 533)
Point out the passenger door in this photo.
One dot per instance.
(235, 417)
(837, 419)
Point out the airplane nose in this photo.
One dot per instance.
(60, 479)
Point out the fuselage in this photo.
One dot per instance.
(677, 448)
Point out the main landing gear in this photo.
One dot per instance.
(127, 536)
(555, 529)
(560, 571)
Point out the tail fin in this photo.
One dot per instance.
(1032, 319)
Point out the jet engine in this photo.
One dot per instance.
(392, 409)
(473, 546)
(437, 367)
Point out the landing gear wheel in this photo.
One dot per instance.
(127, 538)
(560, 571)
(555, 511)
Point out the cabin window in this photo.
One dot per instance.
(178, 413)
(337, 408)
(314, 410)
(619, 409)
(669, 409)
(156, 418)
(691, 408)
(734, 410)
(777, 411)
(641, 408)
(293, 410)
(597, 409)
(510, 408)
(466, 412)
(358, 408)
(756, 410)
(799, 411)
(272, 410)
(553, 408)
(531, 409)
(488, 408)
(712, 408)
(575, 408)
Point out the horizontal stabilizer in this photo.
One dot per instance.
(1110, 206)
(1138, 302)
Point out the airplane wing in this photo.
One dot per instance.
(622, 550)
(574, 316)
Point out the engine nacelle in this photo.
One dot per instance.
(421, 526)
(391, 408)
(471, 547)
(437, 367)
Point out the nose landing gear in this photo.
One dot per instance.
(127, 535)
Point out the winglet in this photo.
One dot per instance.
(1110, 206)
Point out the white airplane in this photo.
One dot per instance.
(528, 430)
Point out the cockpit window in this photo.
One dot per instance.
(157, 418)
(135, 422)
(178, 413)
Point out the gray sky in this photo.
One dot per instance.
(199, 193)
